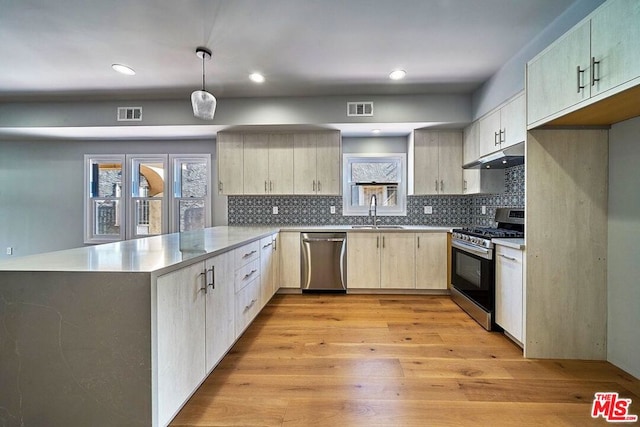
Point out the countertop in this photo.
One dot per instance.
(357, 228)
(165, 252)
(511, 243)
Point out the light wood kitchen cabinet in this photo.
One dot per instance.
(478, 180)
(437, 162)
(181, 337)
(268, 268)
(363, 260)
(398, 261)
(268, 164)
(595, 59)
(220, 315)
(509, 291)
(289, 260)
(431, 260)
(503, 127)
(316, 161)
(230, 150)
(247, 284)
(380, 260)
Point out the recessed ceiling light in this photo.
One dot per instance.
(375, 131)
(123, 69)
(397, 74)
(256, 78)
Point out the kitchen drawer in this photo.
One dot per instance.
(246, 274)
(246, 253)
(247, 304)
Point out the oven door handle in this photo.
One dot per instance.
(486, 253)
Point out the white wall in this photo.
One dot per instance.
(41, 191)
(623, 326)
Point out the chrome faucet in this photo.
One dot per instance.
(373, 207)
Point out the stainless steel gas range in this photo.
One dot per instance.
(473, 264)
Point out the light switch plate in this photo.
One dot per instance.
(275, 210)
(428, 210)
(332, 209)
(484, 210)
(9, 250)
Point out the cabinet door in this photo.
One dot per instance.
(426, 163)
(230, 163)
(615, 43)
(281, 164)
(489, 133)
(267, 269)
(256, 164)
(220, 328)
(431, 260)
(304, 163)
(450, 162)
(328, 163)
(289, 260)
(470, 141)
(552, 78)
(514, 122)
(398, 261)
(509, 292)
(363, 260)
(181, 337)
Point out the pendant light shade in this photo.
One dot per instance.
(203, 102)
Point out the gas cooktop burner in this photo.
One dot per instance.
(490, 232)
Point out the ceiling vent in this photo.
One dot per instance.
(129, 114)
(360, 109)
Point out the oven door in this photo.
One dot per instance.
(472, 274)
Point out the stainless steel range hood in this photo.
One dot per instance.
(510, 156)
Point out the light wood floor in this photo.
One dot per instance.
(388, 360)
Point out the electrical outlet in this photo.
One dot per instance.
(332, 209)
(9, 250)
(275, 210)
(428, 210)
(483, 210)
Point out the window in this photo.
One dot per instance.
(382, 175)
(138, 195)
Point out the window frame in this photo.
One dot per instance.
(349, 210)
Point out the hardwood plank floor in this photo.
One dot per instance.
(390, 360)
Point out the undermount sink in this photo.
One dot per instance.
(371, 227)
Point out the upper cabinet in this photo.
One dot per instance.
(268, 164)
(503, 127)
(476, 181)
(596, 59)
(437, 162)
(316, 163)
(278, 163)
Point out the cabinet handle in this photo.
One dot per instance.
(314, 185)
(578, 78)
(275, 243)
(251, 273)
(507, 257)
(318, 186)
(220, 186)
(270, 186)
(204, 288)
(382, 242)
(265, 186)
(377, 242)
(212, 270)
(593, 71)
(464, 185)
(436, 185)
(267, 245)
(249, 254)
(496, 138)
(418, 241)
(441, 186)
(248, 307)
(503, 135)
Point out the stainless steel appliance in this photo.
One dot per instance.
(473, 264)
(323, 262)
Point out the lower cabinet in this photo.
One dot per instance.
(431, 260)
(268, 268)
(398, 261)
(509, 291)
(220, 314)
(289, 260)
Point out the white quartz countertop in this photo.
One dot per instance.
(511, 243)
(357, 228)
(148, 254)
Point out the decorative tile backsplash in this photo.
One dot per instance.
(458, 210)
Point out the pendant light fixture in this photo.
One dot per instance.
(203, 103)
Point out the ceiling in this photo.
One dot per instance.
(65, 48)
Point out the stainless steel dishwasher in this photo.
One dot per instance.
(323, 262)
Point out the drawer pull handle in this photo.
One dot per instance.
(246, 276)
(249, 254)
(267, 245)
(507, 257)
(251, 304)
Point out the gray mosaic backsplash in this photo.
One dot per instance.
(458, 210)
